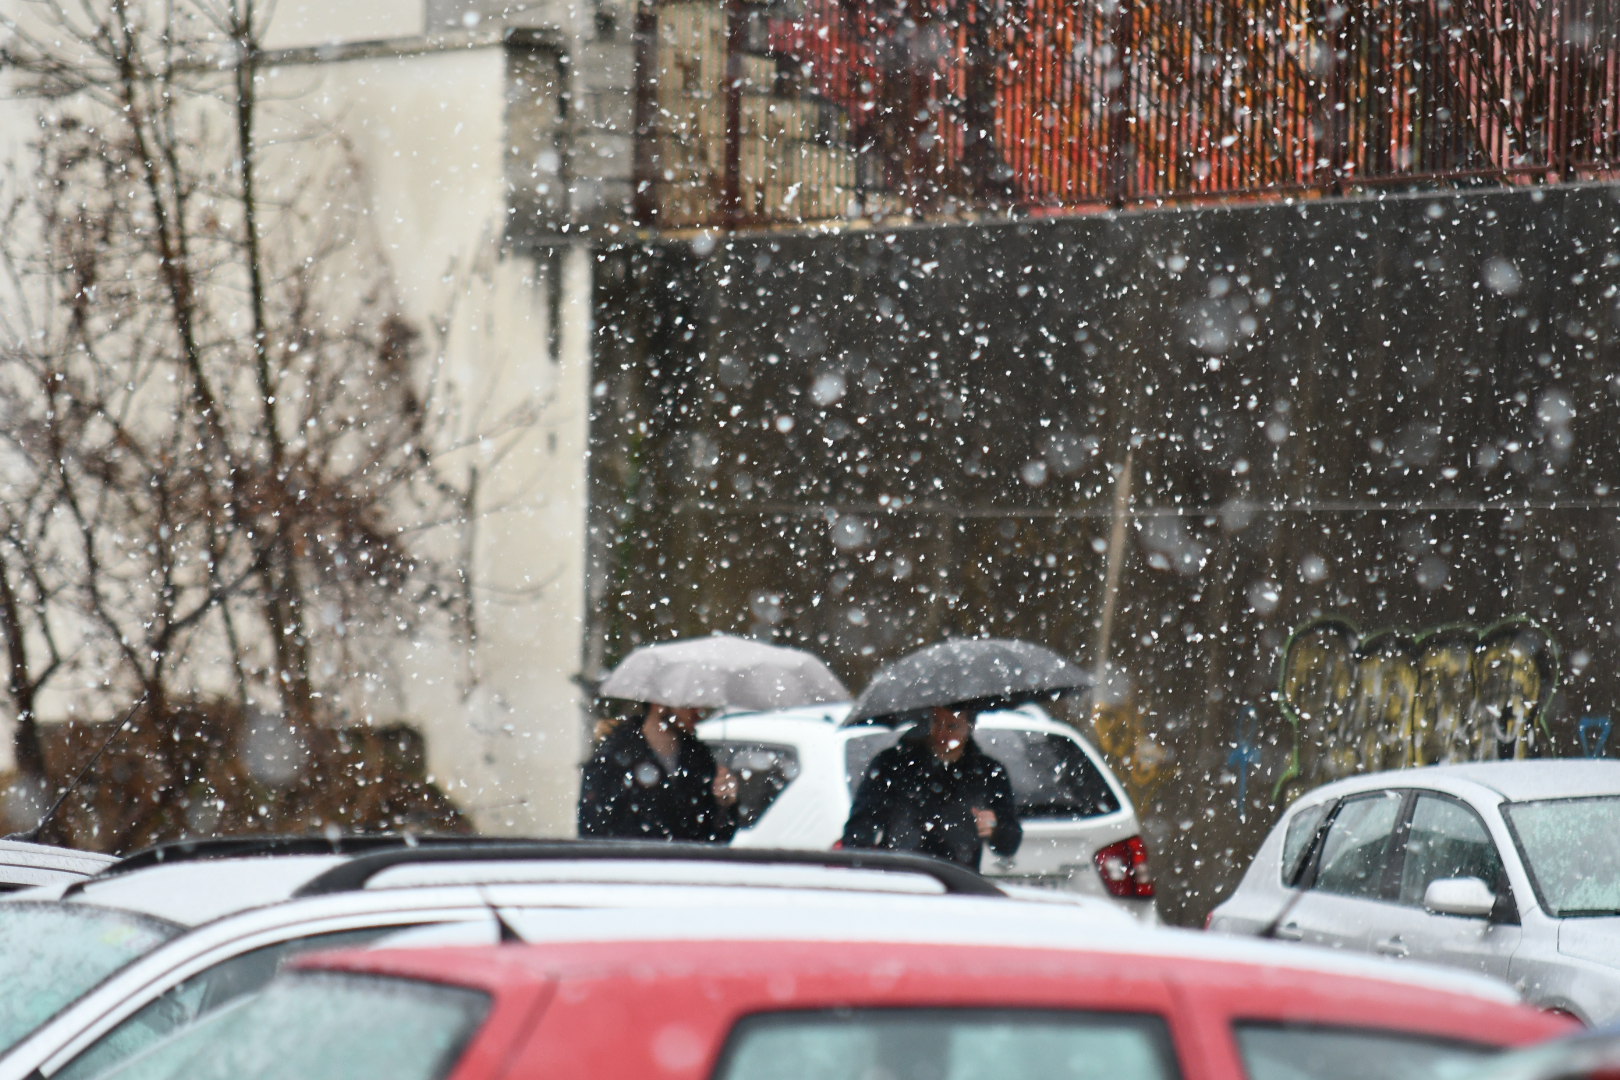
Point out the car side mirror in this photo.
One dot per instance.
(1466, 896)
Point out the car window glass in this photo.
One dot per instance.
(1572, 849)
(1310, 1052)
(763, 772)
(321, 1026)
(1297, 840)
(948, 1044)
(1446, 840)
(1355, 850)
(51, 953)
(199, 995)
(1051, 775)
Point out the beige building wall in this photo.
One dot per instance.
(425, 121)
(502, 715)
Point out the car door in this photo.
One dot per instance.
(1445, 838)
(1348, 884)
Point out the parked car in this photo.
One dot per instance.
(24, 864)
(922, 995)
(1511, 868)
(799, 768)
(93, 973)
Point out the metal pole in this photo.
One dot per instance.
(1120, 518)
(731, 178)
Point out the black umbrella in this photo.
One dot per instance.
(982, 673)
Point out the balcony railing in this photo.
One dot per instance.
(833, 110)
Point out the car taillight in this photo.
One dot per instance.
(1124, 869)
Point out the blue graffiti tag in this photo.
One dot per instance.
(1244, 756)
(1594, 732)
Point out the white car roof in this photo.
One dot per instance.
(1514, 781)
(822, 722)
(190, 893)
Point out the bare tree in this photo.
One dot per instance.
(233, 436)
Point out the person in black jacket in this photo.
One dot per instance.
(936, 793)
(654, 780)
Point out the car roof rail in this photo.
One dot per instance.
(353, 874)
(235, 847)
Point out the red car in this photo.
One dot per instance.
(1133, 1006)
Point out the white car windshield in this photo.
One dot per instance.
(322, 1026)
(1571, 848)
(52, 953)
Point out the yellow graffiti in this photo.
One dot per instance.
(1139, 760)
(1394, 699)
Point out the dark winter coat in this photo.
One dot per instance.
(626, 793)
(910, 800)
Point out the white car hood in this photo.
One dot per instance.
(1595, 939)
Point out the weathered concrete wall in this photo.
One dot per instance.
(1398, 411)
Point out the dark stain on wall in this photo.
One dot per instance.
(1395, 411)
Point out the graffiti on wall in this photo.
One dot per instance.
(1123, 733)
(1362, 702)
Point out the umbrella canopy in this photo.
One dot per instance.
(723, 671)
(981, 672)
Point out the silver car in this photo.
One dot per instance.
(1510, 868)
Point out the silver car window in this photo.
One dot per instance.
(1446, 840)
(1302, 828)
(1355, 852)
(52, 953)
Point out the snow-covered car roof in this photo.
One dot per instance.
(190, 893)
(1514, 781)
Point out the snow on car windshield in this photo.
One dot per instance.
(51, 953)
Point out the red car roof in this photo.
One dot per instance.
(664, 1010)
(1261, 989)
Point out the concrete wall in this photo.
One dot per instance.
(1398, 411)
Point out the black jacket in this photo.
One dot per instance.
(910, 800)
(626, 794)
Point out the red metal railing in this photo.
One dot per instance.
(850, 109)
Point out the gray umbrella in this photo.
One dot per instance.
(723, 671)
(980, 672)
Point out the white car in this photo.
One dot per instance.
(94, 972)
(1511, 868)
(799, 769)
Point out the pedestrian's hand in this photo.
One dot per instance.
(985, 822)
(725, 786)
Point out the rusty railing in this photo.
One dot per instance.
(832, 110)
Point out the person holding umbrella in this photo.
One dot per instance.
(935, 791)
(653, 779)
